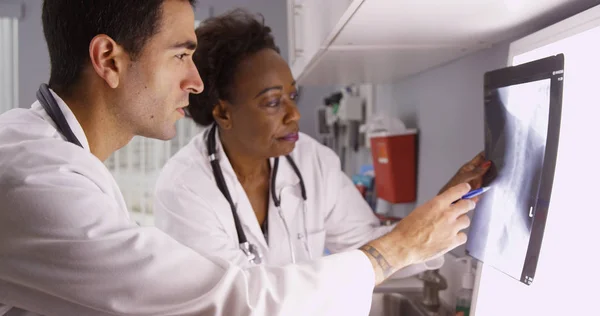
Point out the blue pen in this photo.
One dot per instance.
(474, 193)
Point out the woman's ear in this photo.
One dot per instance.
(222, 114)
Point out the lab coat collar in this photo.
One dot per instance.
(287, 188)
(226, 167)
(69, 116)
(286, 177)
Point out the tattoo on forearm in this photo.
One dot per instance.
(383, 264)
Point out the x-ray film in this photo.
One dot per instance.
(522, 122)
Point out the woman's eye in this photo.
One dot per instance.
(274, 103)
(294, 96)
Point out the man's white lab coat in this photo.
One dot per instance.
(68, 246)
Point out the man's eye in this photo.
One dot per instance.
(181, 56)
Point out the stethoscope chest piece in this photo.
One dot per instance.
(252, 253)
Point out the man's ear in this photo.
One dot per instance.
(222, 114)
(108, 59)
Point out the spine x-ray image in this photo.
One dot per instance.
(516, 134)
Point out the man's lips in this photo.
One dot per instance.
(182, 110)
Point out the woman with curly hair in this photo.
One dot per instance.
(251, 188)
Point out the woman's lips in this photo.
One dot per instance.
(291, 137)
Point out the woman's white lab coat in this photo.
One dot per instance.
(190, 207)
(68, 246)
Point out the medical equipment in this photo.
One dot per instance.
(249, 249)
(49, 104)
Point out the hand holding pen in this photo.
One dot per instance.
(473, 193)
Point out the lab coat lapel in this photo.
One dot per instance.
(287, 189)
(80, 134)
(71, 120)
(112, 188)
(286, 182)
(240, 199)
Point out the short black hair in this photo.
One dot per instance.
(70, 26)
(223, 42)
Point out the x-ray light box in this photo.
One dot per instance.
(522, 106)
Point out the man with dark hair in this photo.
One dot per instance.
(132, 56)
(122, 68)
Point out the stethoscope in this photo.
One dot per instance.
(250, 250)
(51, 107)
(49, 104)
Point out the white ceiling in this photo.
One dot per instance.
(448, 22)
(388, 40)
(376, 65)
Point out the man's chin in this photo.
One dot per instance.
(165, 134)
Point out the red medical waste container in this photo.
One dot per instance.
(395, 164)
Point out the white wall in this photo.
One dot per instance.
(34, 62)
(450, 116)
(566, 276)
(9, 9)
(398, 100)
(446, 105)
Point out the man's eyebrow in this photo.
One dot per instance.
(191, 45)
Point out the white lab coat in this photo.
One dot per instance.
(190, 207)
(68, 246)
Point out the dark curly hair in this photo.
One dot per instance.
(223, 42)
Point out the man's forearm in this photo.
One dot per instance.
(385, 262)
(383, 269)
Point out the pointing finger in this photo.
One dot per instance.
(454, 193)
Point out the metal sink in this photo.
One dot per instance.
(401, 304)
